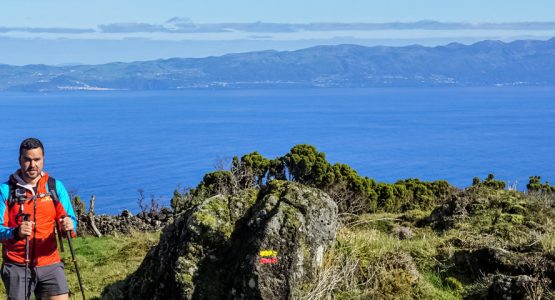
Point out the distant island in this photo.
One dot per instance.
(486, 63)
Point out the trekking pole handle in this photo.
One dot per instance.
(62, 229)
(20, 218)
(23, 217)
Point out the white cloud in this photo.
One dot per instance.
(185, 25)
(46, 30)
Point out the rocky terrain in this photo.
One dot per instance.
(297, 227)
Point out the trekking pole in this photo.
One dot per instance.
(59, 231)
(25, 218)
(69, 240)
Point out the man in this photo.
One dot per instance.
(29, 209)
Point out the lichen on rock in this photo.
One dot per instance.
(254, 244)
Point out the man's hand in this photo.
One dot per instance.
(25, 229)
(67, 224)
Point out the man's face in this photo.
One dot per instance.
(31, 163)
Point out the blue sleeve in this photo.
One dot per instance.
(6, 232)
(65, 201)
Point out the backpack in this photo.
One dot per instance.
(12, 199)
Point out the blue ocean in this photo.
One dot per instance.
(113, 143)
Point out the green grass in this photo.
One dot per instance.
(548, 242)
(103, 261)
(369, 262)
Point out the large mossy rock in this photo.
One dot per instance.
(258, 244)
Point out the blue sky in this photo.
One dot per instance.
(75, 13)
(73, 31)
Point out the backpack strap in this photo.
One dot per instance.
(52, 190)
(12, 187)
(11, 194)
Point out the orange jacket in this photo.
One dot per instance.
(44, 212)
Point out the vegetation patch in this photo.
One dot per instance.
(405, 240)
(103, 261)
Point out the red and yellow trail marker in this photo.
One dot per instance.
(268, 257)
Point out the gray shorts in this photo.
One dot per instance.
(44, 281)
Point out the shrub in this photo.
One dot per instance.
(306, 165)
(489, 182)
(535, 185)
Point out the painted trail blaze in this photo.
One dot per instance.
(268, 257)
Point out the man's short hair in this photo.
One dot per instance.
(30, 143)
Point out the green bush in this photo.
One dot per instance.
(305, 164)
(535, 185)
(489, 182)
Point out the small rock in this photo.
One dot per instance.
(126, 213)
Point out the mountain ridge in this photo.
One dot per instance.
(485, 63)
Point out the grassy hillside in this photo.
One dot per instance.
(414, 254)
(103, 261)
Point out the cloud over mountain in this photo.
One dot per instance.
(185, 25)
(46, 30)
(132, 27)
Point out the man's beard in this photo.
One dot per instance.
(31, 174)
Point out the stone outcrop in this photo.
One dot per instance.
(499, 252)
(516, 287)
(504, 274)
(257, 244)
